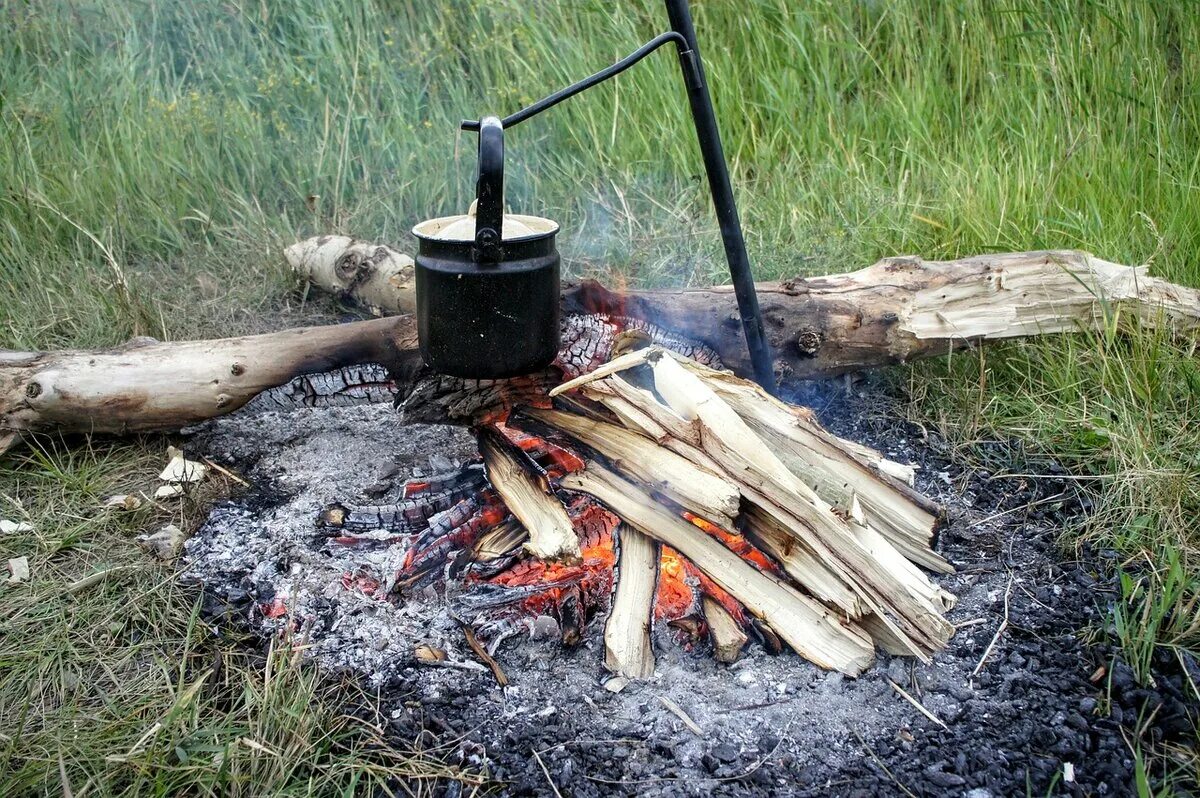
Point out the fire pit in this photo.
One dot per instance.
(770, 722)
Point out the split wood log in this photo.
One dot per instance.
(527, 493)
(627, 648)
(838, 470)
(854, 565)
(812, 630)
(728, 639)
(640, 459)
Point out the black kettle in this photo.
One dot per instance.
(488, 283)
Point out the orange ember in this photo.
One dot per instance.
(675, 597)
(735, 543)
(413, 487)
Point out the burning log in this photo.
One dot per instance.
(627, 648)
(527, 493)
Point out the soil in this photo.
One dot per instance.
(1024, 702)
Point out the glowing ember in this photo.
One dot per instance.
(676, 596)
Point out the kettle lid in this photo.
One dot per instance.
(515, 227)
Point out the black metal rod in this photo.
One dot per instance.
(585, 84)
(722, 193)
(683, 34)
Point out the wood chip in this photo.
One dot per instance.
(481, 652)
(165, 544)
(18, 570)
(223, 470)
(123, 501)
(98, 577)
(427, 653)
(180, 469)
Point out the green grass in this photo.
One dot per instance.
(156, 156)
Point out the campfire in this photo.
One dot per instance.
(656, 489)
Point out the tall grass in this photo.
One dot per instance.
(177, 132)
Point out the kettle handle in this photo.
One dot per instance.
(489, 193)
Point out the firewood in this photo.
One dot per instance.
(808, 627)
(500, 541)
(900, 591)
(801, 563)
(527, 493)
(707, 430)
(838, 470)
(639, 459)
(727, 636)
(627, 648)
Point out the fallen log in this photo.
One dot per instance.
(147, 385)
(372, 275)
(894, 311)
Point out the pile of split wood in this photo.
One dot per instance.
(692, 458)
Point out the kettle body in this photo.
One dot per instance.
(488, 282)
(487, 320)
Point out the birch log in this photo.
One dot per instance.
(147, 385)
(900, 308)
(372, 275)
